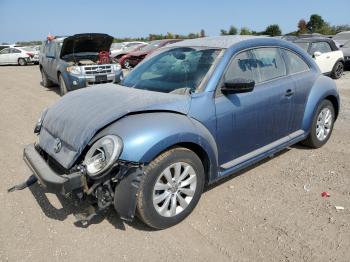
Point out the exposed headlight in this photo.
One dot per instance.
(117, 67)
(75, 70)
(102, 155)
(39, 123)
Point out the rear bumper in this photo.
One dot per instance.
(49, 179)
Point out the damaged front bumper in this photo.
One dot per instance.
(48, 178)
(118, 189)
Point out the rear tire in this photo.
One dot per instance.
(63, 87)
(46, 82)
(322, 125)
(171, 188)
(22, 62)
(338, 70)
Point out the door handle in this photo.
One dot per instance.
(289, 92)
(328, 57)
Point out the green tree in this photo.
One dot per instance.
(315, 23)
(273, 30)
(245, 31)
(169, 35)
(202, 33)
(232, 31)
(302, 26)
(223, 32)
(326, 29)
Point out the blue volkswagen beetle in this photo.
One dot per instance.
(189, 115)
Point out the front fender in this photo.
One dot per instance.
(146, 135)
(322, 88)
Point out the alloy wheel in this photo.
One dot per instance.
(174, 189)
(324, 124)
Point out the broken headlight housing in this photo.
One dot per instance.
(102, 155)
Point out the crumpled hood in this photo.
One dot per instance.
(79, 115)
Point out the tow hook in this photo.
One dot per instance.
(30, 181)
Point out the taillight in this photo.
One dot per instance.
(31, 55)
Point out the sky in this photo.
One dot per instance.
(34, 19)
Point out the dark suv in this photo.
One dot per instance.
(78, 61)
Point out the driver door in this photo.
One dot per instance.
(247, 122)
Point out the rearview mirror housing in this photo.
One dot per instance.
(238, 85)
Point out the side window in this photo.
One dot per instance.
(322, 47)
(50, 49)
(295, 63)
(14, 51)
(5, 51)
(270, 63)
(242, 66)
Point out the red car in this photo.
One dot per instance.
(133, 58)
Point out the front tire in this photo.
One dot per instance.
(46, 82)
(22, 62)
(126, 64)
(171, 188)
(322, 125)
(63, 87)
(338, 70)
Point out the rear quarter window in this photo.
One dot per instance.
(295, 63)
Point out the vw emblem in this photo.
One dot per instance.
(58, 145)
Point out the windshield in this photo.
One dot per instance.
(303, 45)
(174, 69)
(117, 45)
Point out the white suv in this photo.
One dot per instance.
(327, 55)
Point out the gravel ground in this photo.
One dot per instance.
(261, 214)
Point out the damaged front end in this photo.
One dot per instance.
(117, 184)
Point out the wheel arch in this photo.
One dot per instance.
(324, 88)
(168, 131)
(335, 104)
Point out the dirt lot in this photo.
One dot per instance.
(261, 214)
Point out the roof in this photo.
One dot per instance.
(215, 41)
(314, 39)
(318, 39)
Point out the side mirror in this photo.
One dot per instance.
(238, 85)
(317, 53)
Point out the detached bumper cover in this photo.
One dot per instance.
(48, 178)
